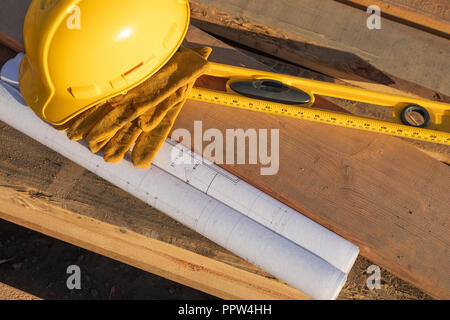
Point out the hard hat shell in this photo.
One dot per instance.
(82, 52)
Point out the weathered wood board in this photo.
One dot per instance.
(431, 16)
(60, 196)
(371, 189)
(377, 191)
(41, 190)
(333, 38)
(340, 66)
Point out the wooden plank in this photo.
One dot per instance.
(431, 16)
(52, 195)
(158, 257)
(36, 177)
(10, 293)
(370, 188)
(12, 14)
(11, 43)
(95, 199)
(277, 43)
(434, 150)
(49, 187)
(332, 38)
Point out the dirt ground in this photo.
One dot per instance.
(33, 266)
(10, 293)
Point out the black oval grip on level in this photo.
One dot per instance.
(414, 108)
(271, 90)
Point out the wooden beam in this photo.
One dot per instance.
(371, 189)
(431, 16)
(330, 174)
(120, 243)
(64, 201)
(11, 43)
(332, 38)
(36, 177)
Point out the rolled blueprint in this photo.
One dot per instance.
(207, 177)
(220, 223)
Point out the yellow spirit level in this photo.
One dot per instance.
(293, 96)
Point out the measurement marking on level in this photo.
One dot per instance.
(332, 118)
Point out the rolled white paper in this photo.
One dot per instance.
(207, 177)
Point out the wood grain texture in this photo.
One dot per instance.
(328, 67)
(383, 195)
(434, 150)
(158, 257)
(12, 15)
(432, 16)
(375, 190)
(358, 184)
(36, 177)
(10, 293)
(333, 38)
(43, 191)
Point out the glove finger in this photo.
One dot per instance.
(160, 124)
(204, 52)
(147, 124)
(149, 143)
(83, 123)
(121, 143)
(149, 121)
(113, 121)
(96, 147)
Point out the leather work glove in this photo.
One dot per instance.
(145, 115)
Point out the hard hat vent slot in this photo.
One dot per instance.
(85, 92)
(133, 69)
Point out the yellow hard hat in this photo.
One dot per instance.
(82, 52)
